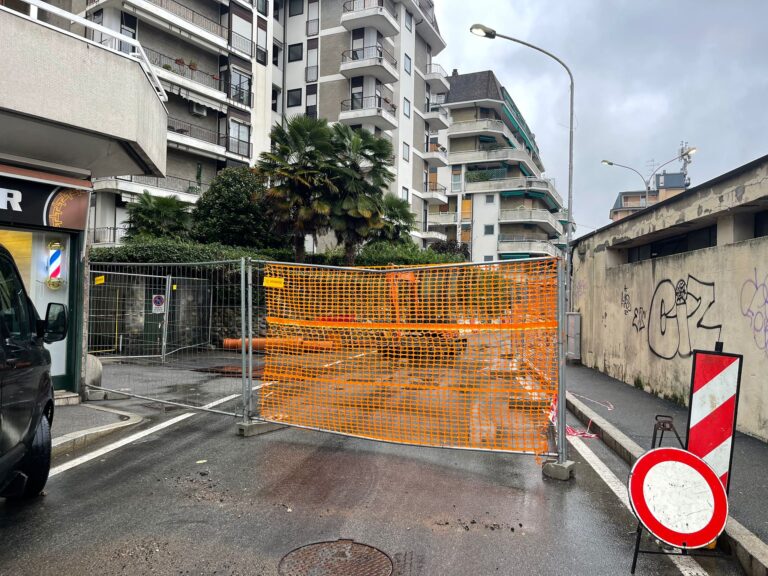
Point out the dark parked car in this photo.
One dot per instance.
(26, 392)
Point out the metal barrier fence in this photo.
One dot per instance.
(159, 331)
(462, 356)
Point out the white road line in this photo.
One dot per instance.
(132, 438)
(687, 565)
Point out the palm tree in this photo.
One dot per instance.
(158, 216)
(398, 221)
(362, 175)
(299, 168)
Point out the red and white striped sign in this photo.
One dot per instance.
(713, 408)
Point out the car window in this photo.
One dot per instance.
(14, 312)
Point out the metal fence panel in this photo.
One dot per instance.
(461, 356)
(171, 333)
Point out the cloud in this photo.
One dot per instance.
(648, 75)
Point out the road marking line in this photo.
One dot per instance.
(687, 565)
(132, 438)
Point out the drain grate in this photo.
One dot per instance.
(339, 558)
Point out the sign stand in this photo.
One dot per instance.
(715, 381)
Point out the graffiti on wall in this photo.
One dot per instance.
(638, 320)
(679, 318)
(625, 301)
(754, 308)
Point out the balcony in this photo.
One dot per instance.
(369, 61)
(542, 218)
(378, 14)
(434, 193)
(525, 246)
(187, 190)
(493, 154)
(429, 235)
(437, 116)
(534, 187)
(484, 127)
(427, 27)
(179, 19)
(242, 44)
(374, 110)
(183, 135)
(107, 236)
(442, 218)
(110, 117)
(436, 78)
(436, 156)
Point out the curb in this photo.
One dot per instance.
(83, 438)
(746, 546)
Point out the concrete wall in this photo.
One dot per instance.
(640, 321)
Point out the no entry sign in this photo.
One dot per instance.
(713, 408)
(678, 498)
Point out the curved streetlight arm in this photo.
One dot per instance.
(647, 182)
(524, 43)
(667, 162)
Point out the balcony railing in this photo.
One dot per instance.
(525, 215)
(235, 145)
(191, 16)
(485, 175)
(368, 52)
(107, 235)
(310, 73)
(313, 27)
(239, 93)
(358, 5)
(192, 130)
(174, 183)
(439, 149)
(428, 9)
(434, 187)
(241, 43)
(433, 107)
(367, 103)
(181, 68)
(442, 218)
(436, 69)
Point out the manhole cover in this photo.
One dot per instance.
(339, 558)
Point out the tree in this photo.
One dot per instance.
(451, 247)
(235, 211)
(361, 175)
(299, 169)
(158, 216)
(398, 221)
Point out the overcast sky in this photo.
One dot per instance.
(648, 74)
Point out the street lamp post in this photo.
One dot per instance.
(565, 467)
(684, 153)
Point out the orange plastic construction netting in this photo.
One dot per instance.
(459, 356)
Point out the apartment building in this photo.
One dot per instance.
(369, 64)
(498, 202)
(205, 54)
(667, 185)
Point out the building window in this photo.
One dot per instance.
(356, 92)
(407, 107)
(294, 98)
(406, 151)
(761, 224)
(488, 229)
(456, 179)
(295, 7)
(240, 87)
(128, 26)
(295, 52)
(311, 110)
(277, 53)
(407, 64)
(275, 99)
(261, 41)
(311, 70)
(276, 10)
(262, 6)
(404, 193)
(408, 20)
(487, 258)
(489, 198)
(239, 140)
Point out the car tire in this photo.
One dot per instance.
(37, 463)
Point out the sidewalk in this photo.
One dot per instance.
(78, 426)
(632, 412)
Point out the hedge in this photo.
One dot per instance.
(161, 250)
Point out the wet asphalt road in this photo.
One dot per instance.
(151, 508)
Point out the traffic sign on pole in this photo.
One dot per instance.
(678, 498)
(713, 409)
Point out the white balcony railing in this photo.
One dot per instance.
(531, 216)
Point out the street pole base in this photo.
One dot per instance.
(558, 471)
(247, 429)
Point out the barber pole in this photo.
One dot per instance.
(54, 280)
(713, 409)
